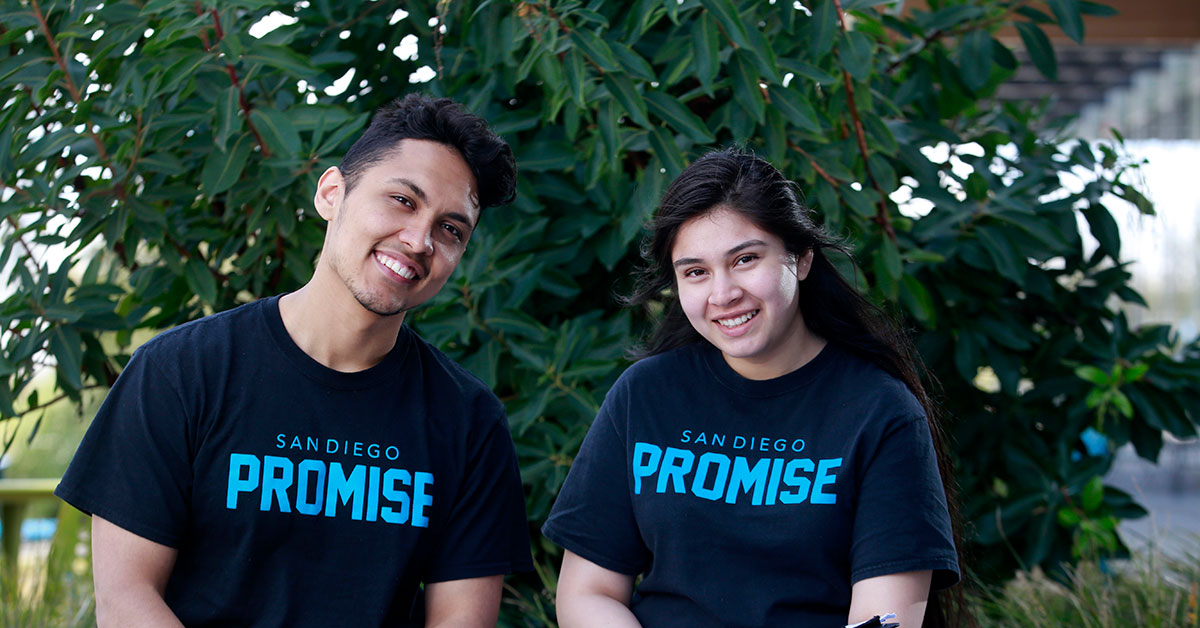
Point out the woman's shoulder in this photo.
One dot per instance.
(666, 365)
(865, 383)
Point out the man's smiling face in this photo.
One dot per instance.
(397, 235)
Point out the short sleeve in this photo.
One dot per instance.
(593, 515)
(487, 531)
(133, 467)
(901, 523)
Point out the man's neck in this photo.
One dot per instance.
(334, 329)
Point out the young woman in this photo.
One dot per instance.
(771, 459)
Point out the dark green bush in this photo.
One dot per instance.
(158, 161)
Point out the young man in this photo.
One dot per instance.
(306, 460)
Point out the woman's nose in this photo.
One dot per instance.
(725, 290)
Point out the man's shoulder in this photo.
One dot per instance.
(201, 335)
(444, 371)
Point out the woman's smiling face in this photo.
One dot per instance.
(738, 286)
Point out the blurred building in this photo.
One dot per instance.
(1139, 72)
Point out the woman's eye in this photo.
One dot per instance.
(746, 259)
(693, 272)
(402, 199)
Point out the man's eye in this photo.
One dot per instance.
(403, 199)
(454, 231)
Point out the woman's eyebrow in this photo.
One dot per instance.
(684, 261)
(745, 245)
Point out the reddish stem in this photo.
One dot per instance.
(881, 216)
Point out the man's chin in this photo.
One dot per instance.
(382, 309)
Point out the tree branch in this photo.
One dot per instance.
(820, 171)
(25, 245)
(70, 83)
(942, 32)
(243, 102)
(881, 216)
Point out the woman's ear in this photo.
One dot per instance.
(328, 197)
(804, 264)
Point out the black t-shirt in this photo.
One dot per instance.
(755, 503)
(297, 495)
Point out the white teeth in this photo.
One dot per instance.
(396, 267)
(734, 322)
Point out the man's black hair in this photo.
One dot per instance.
(420, 117)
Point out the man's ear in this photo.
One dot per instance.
(331, 187)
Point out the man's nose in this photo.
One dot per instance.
(418, 236)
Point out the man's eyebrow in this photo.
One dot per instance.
(417, 191)
(684, 261)
(460, 218)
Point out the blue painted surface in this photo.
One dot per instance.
(36, 529)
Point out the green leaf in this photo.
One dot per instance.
(282, 58)
(222, 170)
(801, 69)
(200, 280)
(1104, 229)
(1122, 403)
(1068, 518)
(1094, 375)
(577, 77)
(65, 344)
(595, 49)
(1069, 16)
(519, 324)
(707, 46)
(50, 145)
(665, 149)
(975, 59)
(890, 254)
(633, 63)
(1003, 255)
(277, 131)
(1039, 49)
(824, 26)
(976, 187)
(855, 53)
(795, 108)
(627, 95)
(918, 301)
(746, 90)
(678, 116)
(1092, 494)
(1096, 8)
(726, 14)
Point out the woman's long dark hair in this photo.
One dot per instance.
(831, 307)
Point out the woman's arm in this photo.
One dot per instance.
(590, 595)
(904, 594)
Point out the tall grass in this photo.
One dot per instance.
(54, 591)
(1152, 590)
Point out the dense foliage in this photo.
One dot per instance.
(158, 159)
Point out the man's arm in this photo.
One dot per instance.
(904, 594)
(131, 574)
(466, 603)
(591, 595)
